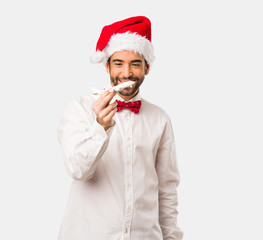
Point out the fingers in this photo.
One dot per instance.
(109, 119)
(104, 110)
(107, 116)
(106, 120)
(104, 100)
(109, 109)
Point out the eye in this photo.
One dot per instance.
(136, 64)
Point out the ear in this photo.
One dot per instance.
(147, 68)
(107, 67)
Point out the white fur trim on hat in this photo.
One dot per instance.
(126, 41)
(98, 57)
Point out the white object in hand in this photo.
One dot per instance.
(117, 88)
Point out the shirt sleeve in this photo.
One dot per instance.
(83, 140)
(168, 177)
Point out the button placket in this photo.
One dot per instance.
(128, 176)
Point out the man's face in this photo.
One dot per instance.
(127, 66)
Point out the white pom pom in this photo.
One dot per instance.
(98, 57)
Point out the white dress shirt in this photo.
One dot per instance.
(124, 179)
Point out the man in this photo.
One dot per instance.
(119, 149)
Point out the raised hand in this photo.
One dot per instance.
(104, 110)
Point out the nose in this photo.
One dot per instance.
(127, 72)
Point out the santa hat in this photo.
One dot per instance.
(133, 34)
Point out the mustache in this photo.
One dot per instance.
(129, 78)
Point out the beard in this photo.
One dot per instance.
(128, 91)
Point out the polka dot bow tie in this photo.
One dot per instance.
(133, 106)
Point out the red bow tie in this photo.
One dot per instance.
(133, 106)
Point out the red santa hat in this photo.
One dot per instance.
(133, 34)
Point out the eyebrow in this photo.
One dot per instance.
(137, 60)
(117, 60)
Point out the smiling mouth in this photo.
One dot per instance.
(123, 80)
(126, 80)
